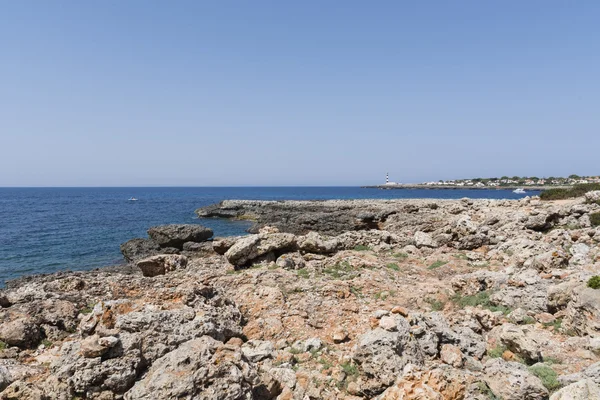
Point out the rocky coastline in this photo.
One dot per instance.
(337, 299)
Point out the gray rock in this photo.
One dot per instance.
(513, 381)
(583, 312)
(257, 350)
(313, 242)
(593, 196)
(222, 244)
(251, 247)
(177, 235)
(583, 390)
(521, 341)
(423, 239)
(197, 369)
(195, 247)
(22, 332)
(161, 264)
(136, 249)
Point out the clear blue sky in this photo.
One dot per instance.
(103, 93)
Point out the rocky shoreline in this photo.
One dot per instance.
(344, 299)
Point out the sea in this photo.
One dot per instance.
(46, 230)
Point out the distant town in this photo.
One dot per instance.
(506, 181)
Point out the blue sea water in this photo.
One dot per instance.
(44, 230)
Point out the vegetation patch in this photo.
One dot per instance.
(437, 264)
(3, 345)
(595, 219)
(461, 256)
(393, 266)
(496, 352)
(343, 270)
(349, 368)
(435, 304)
(480, 299)
(546, 375)
(594, 282)
(384, 294)
(528, 320)
(362, 248)
(303, 273)
(576, 191)
(400, 255)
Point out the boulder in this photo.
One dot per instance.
(315, 243)
(176, 235)
(423, 239)
(451, 355)
(521, 341)
(585, 389)
(290, 261)
(593, 196)
(513, 381)
(22, 332)
(583, 311)
(251, 247)
(195, 247)
(161, 264)
(222, 244)
(136, 249)
(201, 369)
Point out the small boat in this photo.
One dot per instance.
(519, 191)
(132, 199)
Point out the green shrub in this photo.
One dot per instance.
(480, 299)
(496, 352)
(303, 273)
(362, 248)
(594, 282)
(401, 255)
(546, 375)
(393, 266)
(3, 345)
(343, 270)
(436, 305)
(595, 219)
(437, 264)
(576, 191)
(349, 368)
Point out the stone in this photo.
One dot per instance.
(388, 323)
(222, 244)
(136, 249)
(94, 346)
(251, 247)
(203, 247)
(583, 311)
(521, 341)
(197, 369)
(161, 264)
(313, 344)
(176, 235)
(313, 242)
(339, 335)
(513, 381)
(290, 261)
(257, 350)
(451, 355)
(423, 239)
(22, 332)
(593, 196)
(585, 389)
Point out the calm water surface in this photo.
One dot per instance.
(45, 230)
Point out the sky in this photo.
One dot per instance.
(228, 93)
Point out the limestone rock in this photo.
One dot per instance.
(251, 247)
(512, 381)
(451, 355)
(521, 341)
(176, 235)
(22, 332)
(583, 390)
(136, 249)
(257, 350)
(161, 264)
(423, 239)
(313, 242)
(583, 312)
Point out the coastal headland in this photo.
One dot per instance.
(454, 187)
(335, 299)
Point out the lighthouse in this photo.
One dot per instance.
(387, 180)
